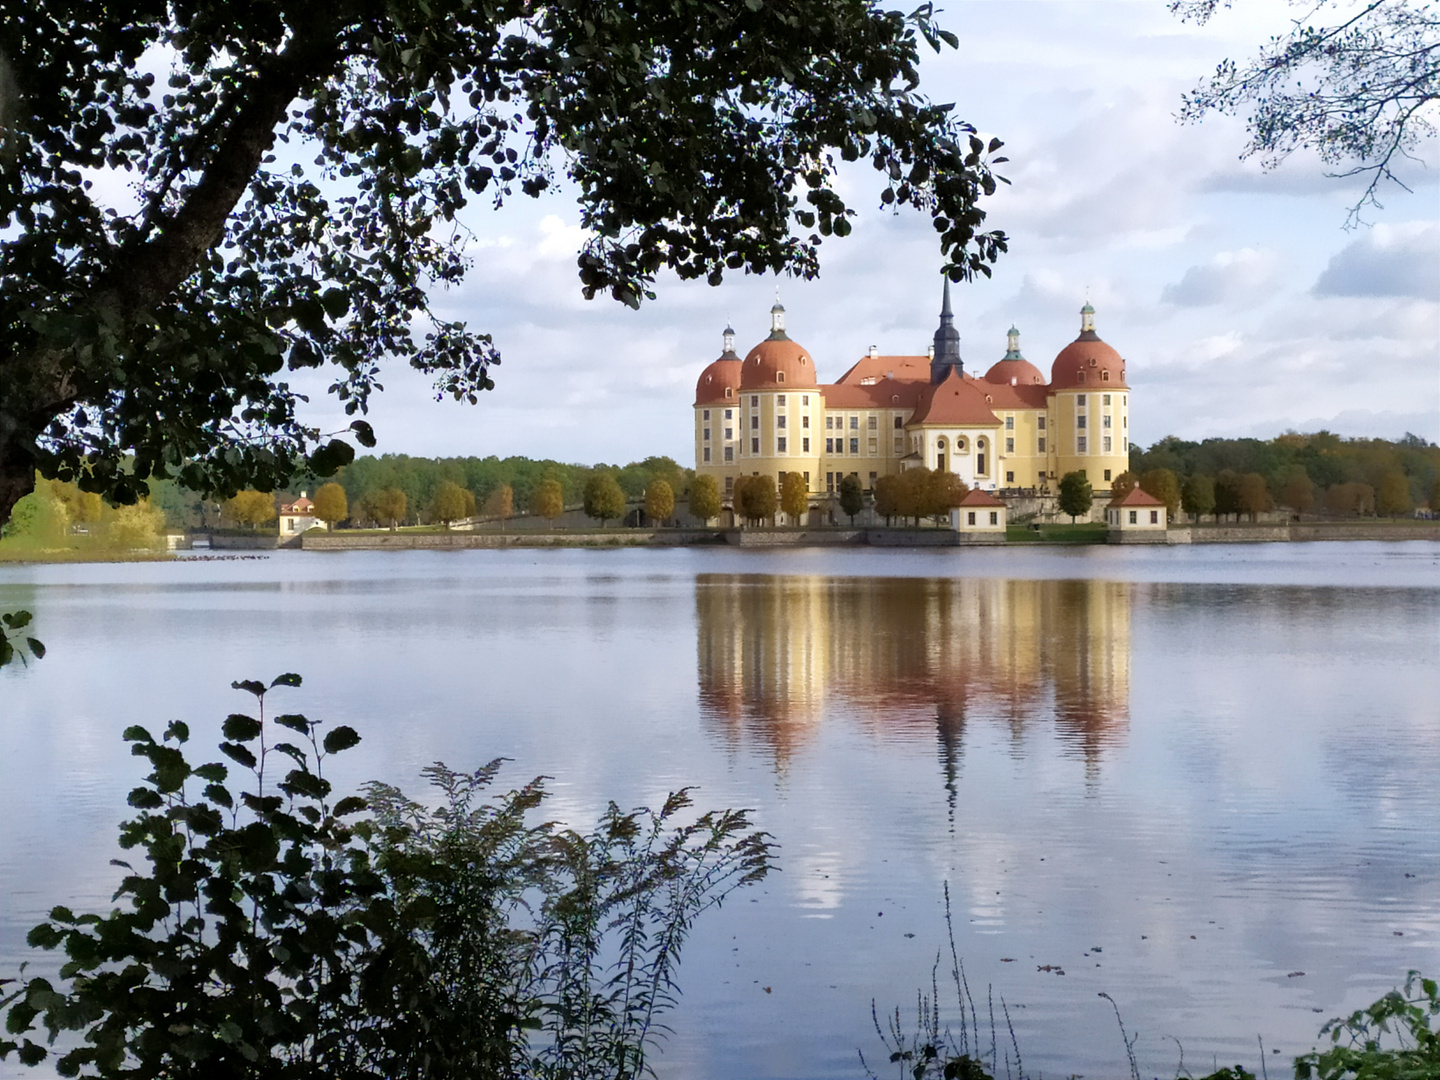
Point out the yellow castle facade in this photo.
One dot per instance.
(767, 414)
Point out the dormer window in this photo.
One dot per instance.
(1105, 376)
(1080, 376)
(729, 391)
(779, 376)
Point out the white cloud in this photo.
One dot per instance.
(1243, 277)
(1390, 260)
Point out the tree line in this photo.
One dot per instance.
(1314, 473)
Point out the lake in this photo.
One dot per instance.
(1203, 780)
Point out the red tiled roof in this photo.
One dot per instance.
(301, 505)
(1022, 372)
(976, 497)
(1136, 497)
(718, 375)
(898, 368)
(957, 400)
(1085, 363)
(777, 363)
(885, 394)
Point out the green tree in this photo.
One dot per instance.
(388, 506)
(1351, 499)
(1297, 490)
(705, 498)
(549, 501)
(1392, 495)
(155, 344)
(1123, 484)
(889, 496)
(754, 498)
(1198, 496)
(1435, 496)
(250, 508)
(271, 930)
(940, 491)
(1227, 493)
(501, 504)
(451, 503)
(794, 497)
(659, 501)
(1253, 495)
(1360, 92)
(330, 504)
(1163, 485)
(852, 496)
(1075, 495)
(603, 498)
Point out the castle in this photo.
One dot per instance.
(1009, 430)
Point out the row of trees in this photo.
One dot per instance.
(918, 493)
(1320, 472)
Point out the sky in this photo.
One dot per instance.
(1240, 301)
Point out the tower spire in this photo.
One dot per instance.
(946, 352)
(1087, 318)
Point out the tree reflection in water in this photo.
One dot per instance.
(778, 656)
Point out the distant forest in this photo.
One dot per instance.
(1326, 460)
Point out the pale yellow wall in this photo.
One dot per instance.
(1099, 465)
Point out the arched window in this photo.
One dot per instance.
(1105, 376)
(729, 391)
(779, 376)
(1080, 376)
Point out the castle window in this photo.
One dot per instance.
(1154, 517)
(707, 453)
(829, 446)
(729, 414)
(729, 484)
(729, 456)
(780, 444)
(1009, 446)
(873, 448)
(1106, 421)
(1009, 478)
(970, 517)
(1104, 376)
(729, 433)
(855, 446)
(780, 421)
(754, 423)
(1040, 422)
(807, 480)
(754, 401)
(729, 391)
(804, 446)
(1080, 445)
(994, 517)
(1080, 376)
(1080, 401)
(1132, 517)
(829, 481)
(1107, 474)
(754, 446)
(779, 376)
(1009, 423)
(707, 414)
(1092, 361)
(872, 422)
(854, 423)
(780, 400)
(1107, 444)
(1080, 421)
(829, 422)
(804, 399)
(1105, 400)
(899, 423)
(707, 434)
(980, 444)
(805, 420)
(1040, 447)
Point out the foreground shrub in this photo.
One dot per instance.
(273, 933)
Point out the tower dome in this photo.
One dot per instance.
(777, 362)
(721, 377)
(1087, 362)
(1013, 369)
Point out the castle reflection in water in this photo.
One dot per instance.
(777, 655)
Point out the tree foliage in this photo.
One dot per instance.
(1076, 495)
(852, 496)
(298, 177)
(549, 500)
(603, 498)
(451, 503)
(1123, 484)
(1197, 496)
(1163, 485)
(269, 932)
(250, 508)
(918, 493)
(660, 501)
(794, 497)
(754, 498)
(501, 503)
(331, 504)
(705, 498)
(1361, 92)
(385, 507)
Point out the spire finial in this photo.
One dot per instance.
(945, 307)
(777, 318)
(1012, 344)
(1087, 318)
(945, 353)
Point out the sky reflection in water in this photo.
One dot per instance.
(1178, 777)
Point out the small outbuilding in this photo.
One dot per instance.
(980, 518)
(1137, 517)
(297, 516)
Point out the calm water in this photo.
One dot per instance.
(1179, 776)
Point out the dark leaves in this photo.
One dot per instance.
(340, 738)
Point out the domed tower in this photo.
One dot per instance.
(1089, 408)
(1013, 369)
(717, 403)
(780, 408)
(945, 352)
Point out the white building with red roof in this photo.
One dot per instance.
(1010, 430)
(297, 516)
(1136, 517)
